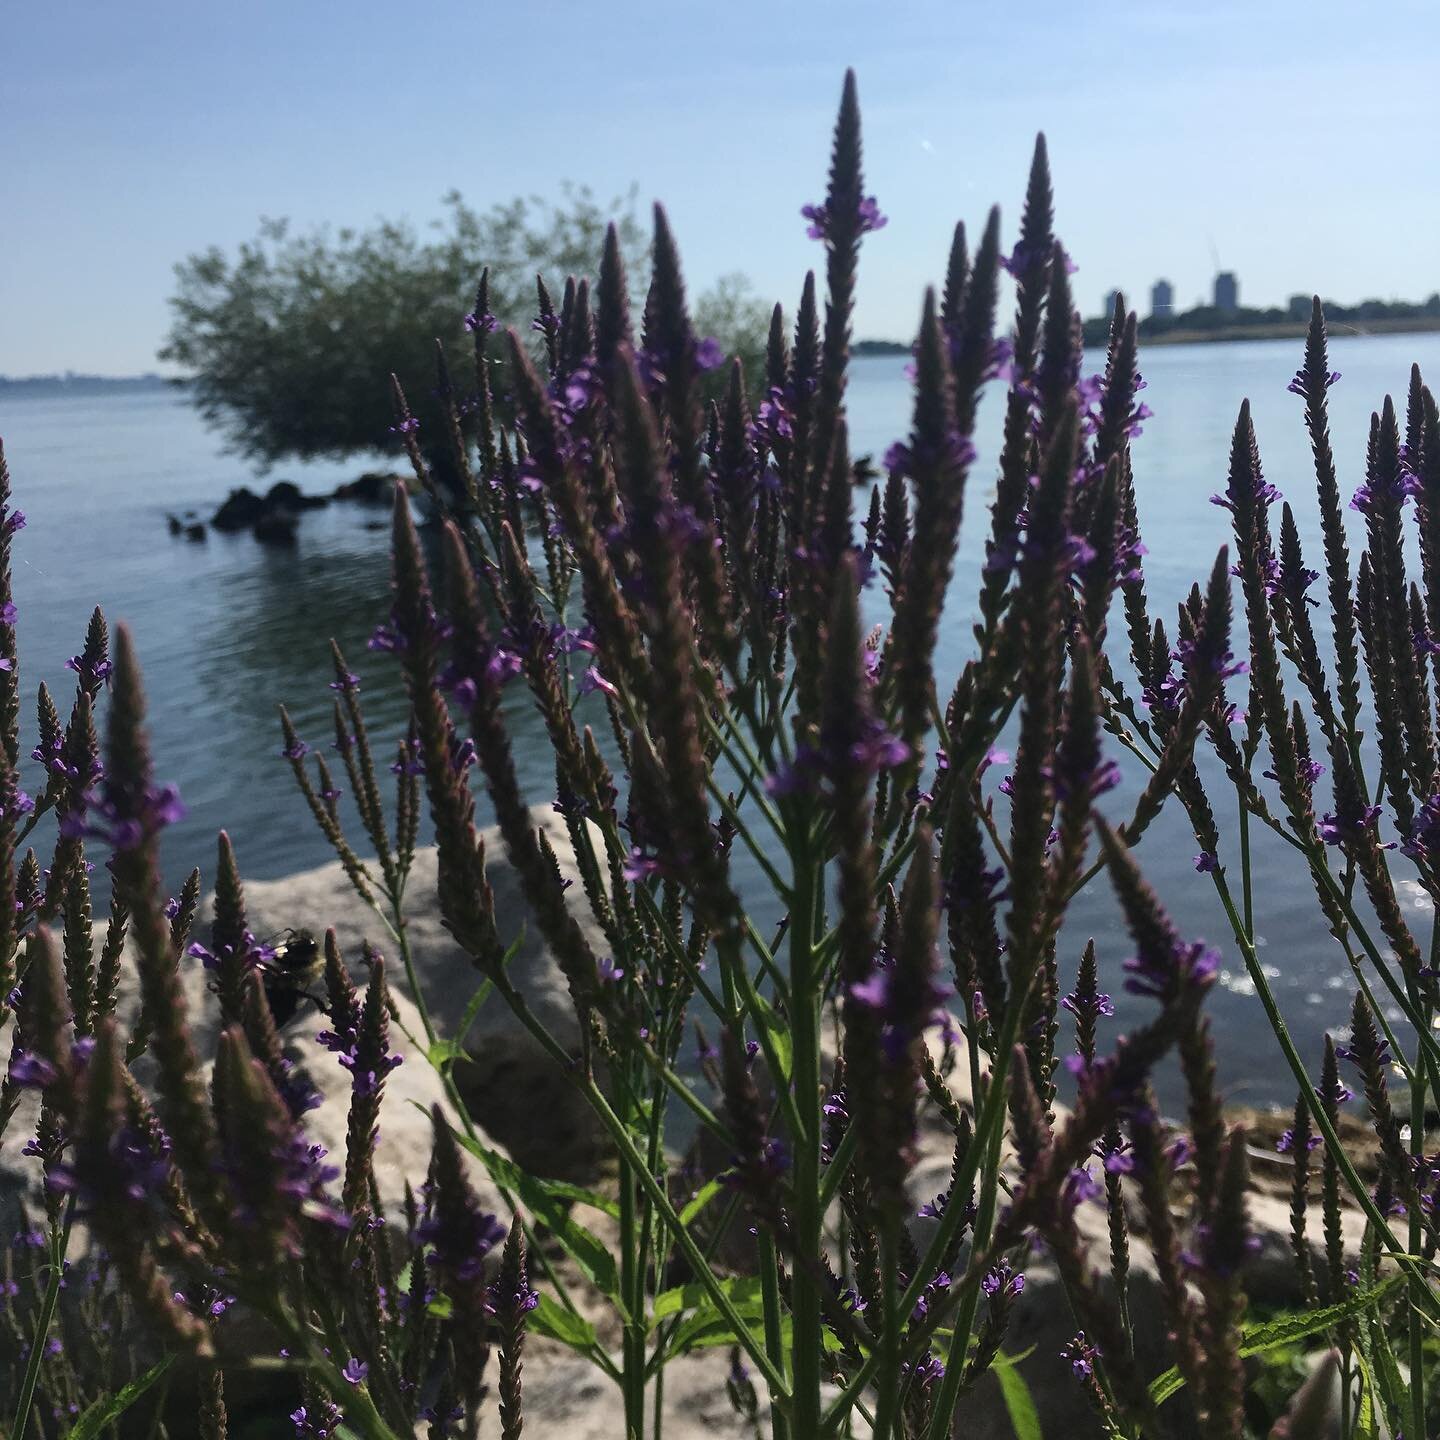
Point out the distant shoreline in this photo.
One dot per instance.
(86, 384)
(1226, 334)
(1296, 330)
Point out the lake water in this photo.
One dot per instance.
(228, 629)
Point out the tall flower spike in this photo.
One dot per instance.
(1427, 504)
(512, 1300)
(45, 1013)
(130, 794)
(1369, 1054)
(107, 969)
(1315, 378)
(936, 461)
(369, 1061)
(482, 323)
(231, 944)
(845, 222)
(678, 358)
(79, 951)
(957, 275)
(672, 696)
(1332, 1094)
(10, 522)
(466, 903)
(461, 1236)
(906, 999)
(1058, 373)
(759, 1160)
(974, 352)
(612, 314)
(1299, 1141)
(1225, 1247)
(1041, 628)
(116, 1196)
(473, 655)
(320, 807)
(259, 1151)
(92, 665)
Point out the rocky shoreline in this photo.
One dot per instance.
(526, 1110)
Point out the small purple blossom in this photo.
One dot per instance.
(1082, 1356)
(1002, 1279)
(1336, 829)
(316, 1422)
(29, 1071)
(1285, 1145)
(867, 214)
(1297, 385)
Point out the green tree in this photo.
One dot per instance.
(736, 317)
(290, 343)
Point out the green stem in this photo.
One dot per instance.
(807, 1341)
(1317, 1110)
(888, 1384)
(633, 1364)
(59, 1244)
(779, 1390)
(774, 1339)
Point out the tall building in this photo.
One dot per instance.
(1111, 296)
(1162, 300)
(1227, 292)
(1298, 307)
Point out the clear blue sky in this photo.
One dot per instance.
(1299, 138)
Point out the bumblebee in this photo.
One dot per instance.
(294, 966)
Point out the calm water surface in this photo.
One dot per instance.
(228, 629)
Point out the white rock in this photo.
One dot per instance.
(513, 1089)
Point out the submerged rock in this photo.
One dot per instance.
(242, 508)
(372, 488)
(287, 495)
(276, 528)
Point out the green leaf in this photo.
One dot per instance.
(779, 1035)
(554, 1320)
(444, 1053)
(1393, 1389)
(1024, 1418)
(103, 1412)
(702, 1198)
(743, 1291)
(579, 1195)
(1367, 1423)
(447, 1052)
(596, 1263)
(1284, 1330)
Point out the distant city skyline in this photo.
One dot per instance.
(135, 135)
